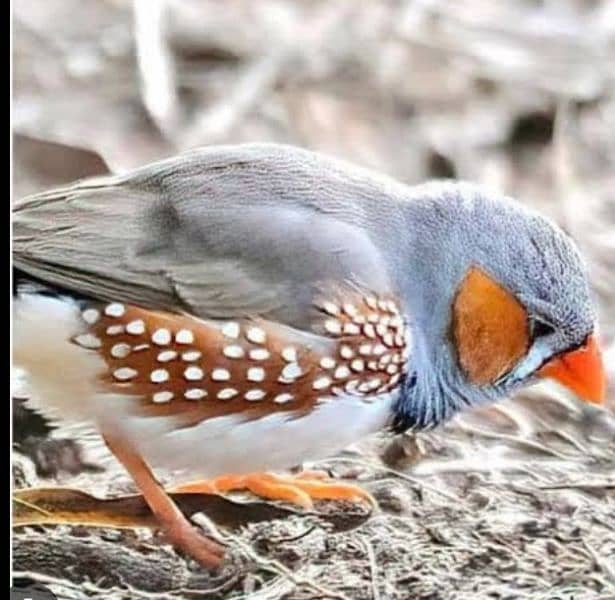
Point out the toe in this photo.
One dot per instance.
(186, 538)
(325, 490)
(269, 487)
(195, 487)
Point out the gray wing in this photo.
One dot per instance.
(222, 232)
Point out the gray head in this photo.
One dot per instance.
(498, 295)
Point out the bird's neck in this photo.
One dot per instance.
(429, 394)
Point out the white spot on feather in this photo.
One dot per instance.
(161, 337)
(231, 330)
(341, 372)
(371, 301)
(352, 329)
(321, 383)
(167, 355)
(369, 331)
(115, 309)
(220, 375)
(392, 307)
(289, 354)
(259, 354)
(162, 397)
(124, 373)
(331, 308)
(350, 309)
(346, 352)
(256, 335)
(326, 362)
(283, 398)
(357, 365)
(333, 326)
(255, 374)
(184, 336)
(90, 315)
(136, 327)
(193, 373)
(195, 394)
(159, 375)
(120, 350)
(88, 340)
(233, 351)
(290, 372)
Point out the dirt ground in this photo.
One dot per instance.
(515, 501)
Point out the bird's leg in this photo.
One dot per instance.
(300, 489)
(175, 526)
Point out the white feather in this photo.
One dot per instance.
(232, 445)
(61, 376)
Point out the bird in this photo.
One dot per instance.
(234, 311)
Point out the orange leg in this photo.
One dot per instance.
(173, 523)
(300, 489)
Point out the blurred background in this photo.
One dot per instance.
(516, 501)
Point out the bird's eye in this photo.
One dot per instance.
(540, 329)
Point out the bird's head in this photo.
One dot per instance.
(503, 302)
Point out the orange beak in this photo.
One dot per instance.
(581, 371)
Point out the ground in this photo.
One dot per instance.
(512, 502)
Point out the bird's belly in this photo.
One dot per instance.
(66, 381)
(228, 445)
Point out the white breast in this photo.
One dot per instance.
(227, 445)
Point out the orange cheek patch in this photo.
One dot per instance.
(490, 328)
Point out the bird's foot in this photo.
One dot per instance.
(174, 526)
(185, 537)
(301, 489)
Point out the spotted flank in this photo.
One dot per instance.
(175, 362)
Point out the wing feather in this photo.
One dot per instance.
(221, 233)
